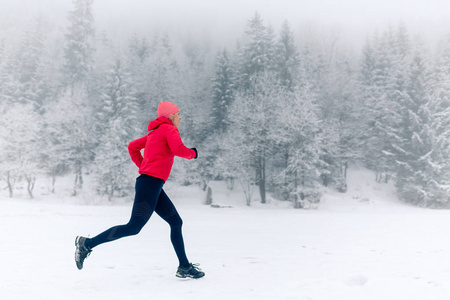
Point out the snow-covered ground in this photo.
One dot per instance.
(360, 245)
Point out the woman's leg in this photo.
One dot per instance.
(148, 190)
(166, 210)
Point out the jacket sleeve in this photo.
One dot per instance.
(134, 148)
(176, 145)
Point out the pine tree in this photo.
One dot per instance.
(399, 101)
(139, 63)
(217, 125)
(413, 137)
(383, 77)
(287, 58)
(430, 184)
(257, 52)
(33, 77)
(312, 66)
(196, 69)
(118, 100)
(74, 129)
(300, 135)
(10, 88)
(140, 50)
(340, 117)
(374, 100)
(159, 79)
(257, 69)
(118, 117)
(223, 93)
(78, 51)
(164, 68)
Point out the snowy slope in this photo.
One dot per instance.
(359, 245)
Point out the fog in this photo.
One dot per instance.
(224, 20)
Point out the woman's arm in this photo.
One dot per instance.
(177, 146)
(134, 148)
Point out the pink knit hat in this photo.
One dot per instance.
(166, 109)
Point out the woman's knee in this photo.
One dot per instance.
(134, 228)
(176, 222)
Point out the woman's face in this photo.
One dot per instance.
(175, 118)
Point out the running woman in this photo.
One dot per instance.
(160, 146)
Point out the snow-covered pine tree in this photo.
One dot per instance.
(197, 71)
(369, 93)
(340, 121)
(105, 52)
(138, 57)
(297, 74)
(195, 102)
(9, 78)
(164, 67)
(299, 132)
(118, 99)
(398, 104)
(223, 93)
(326, 75)
(374, 85)
(328, 71)
(223, 89)
(32, 63)
(383, 89)
(257, 65)
(440, 109)
(434, 174)
(78, 51)
(140, 50)
(312, 65)
(160, 78)
(256, 53)
(413, 138)
(287, 58)
(118, 117)
(29, 56)
(74, 110)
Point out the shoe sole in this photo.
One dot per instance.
(188, 276)
(79, 265)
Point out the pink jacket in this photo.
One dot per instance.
(160, 146)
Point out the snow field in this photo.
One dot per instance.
(358, 245)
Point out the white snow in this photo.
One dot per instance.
(360, 245)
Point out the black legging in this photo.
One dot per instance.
(150, 197)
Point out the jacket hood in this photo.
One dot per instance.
(158, 122)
